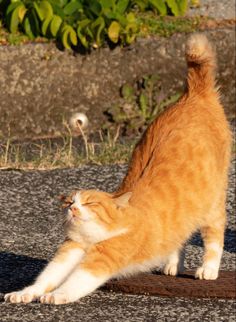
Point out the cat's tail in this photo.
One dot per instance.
(201, 60)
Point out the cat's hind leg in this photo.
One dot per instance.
(213, 238)
(175, 263)
(66, 258)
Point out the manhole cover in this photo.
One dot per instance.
(184, 285)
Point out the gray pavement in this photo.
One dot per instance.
(30, 230)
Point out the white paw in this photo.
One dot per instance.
(170, 269)
(206, 273)
(55, 298)
(20, 297)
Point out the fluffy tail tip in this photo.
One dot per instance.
(199, 49)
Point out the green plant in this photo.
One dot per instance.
(163, 7)
(84, 22)
(140, 104)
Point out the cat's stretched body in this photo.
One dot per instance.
(176, 184)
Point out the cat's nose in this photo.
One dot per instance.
(75, 211)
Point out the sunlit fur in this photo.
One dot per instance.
(175, 185)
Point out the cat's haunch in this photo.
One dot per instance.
(176, 184)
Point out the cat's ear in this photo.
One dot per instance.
(123, 200)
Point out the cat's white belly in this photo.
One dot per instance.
(145, 266)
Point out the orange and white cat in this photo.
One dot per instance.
(176, 184)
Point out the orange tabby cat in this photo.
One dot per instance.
(175, 185)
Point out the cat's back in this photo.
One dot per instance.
(191, 143)
(195, 121)
(192, 135)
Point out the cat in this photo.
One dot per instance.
(175, 185)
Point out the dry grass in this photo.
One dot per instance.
(65, 151)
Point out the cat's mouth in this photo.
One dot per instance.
(72, 218)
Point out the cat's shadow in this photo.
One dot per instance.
(18, 271)
(229, 242)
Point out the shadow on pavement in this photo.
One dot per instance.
(229, 244)
(18, 271)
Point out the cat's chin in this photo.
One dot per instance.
(71, 220)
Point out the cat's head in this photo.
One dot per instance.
(94, 215)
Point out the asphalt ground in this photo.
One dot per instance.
(31, 229)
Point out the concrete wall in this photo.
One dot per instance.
(40, 85)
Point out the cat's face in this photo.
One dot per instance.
(93, 215)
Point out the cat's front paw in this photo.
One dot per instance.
(55, 298)
(20, 297)
(206, 273)
(170, 269)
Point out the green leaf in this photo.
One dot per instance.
(27, 28)
(14, 20)
(172, 4)
(45, 25)
(46, 9)
(120, 18)
(12, 6)
(31, 24)
(122, 5)
(131, 31)
(89, 32)
(160, 6)
(84, 23)
(82, 38)
(98, 26)
(114, 31)
(73, 36)
(183, 6)
(59, 3)
(64, 38)
(72, 7)
(34, 22)
(131, 17)
(39, 11)
(22, 12)
(69, 36)
(62, 3)
(95, 7)
(110, 15)
(57, 10)
(107, 4)
(55, 25)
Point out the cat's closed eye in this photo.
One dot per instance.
(90, 203)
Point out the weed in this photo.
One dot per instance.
(150, 24)
(140, 103)
(65, 151)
